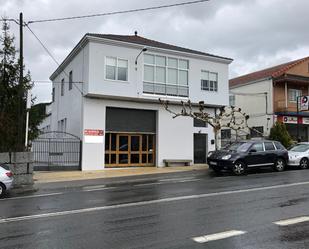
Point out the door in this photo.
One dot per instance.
(200, 148)
(256, 155)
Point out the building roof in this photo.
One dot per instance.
(136, 39)
(272, 72)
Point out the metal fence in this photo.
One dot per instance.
(57, 151)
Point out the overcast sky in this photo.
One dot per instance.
(255, 33)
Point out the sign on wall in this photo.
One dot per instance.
(304, 106)
(289, 120)
(93, 136)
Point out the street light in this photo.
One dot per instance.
(143, 50)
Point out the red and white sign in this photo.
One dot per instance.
(289, 120)
(93, 136)
(91, 132)
(305, 120)
(304, 103)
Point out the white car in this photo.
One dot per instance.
(299, 155)
(6, 180)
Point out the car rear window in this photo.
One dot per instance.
(269, 146)
(279, 146)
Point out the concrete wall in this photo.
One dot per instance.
(174, 136)
(247, 97)
(134, 86)
(69, 106)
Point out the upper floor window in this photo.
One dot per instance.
(70, 80)
(257, 131)
(232, 100)
(116, 69)
(199, 123)
(209, 81)
(53, 95)
(166, 75)
(62, 87)
(293, 94)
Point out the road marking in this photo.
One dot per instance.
(143, 203)
(218, 236)
(192, 180)
(94, 187)
(31, 196)
(292, 221)
(149, 184)
(97, 189)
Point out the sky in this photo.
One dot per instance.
(256, 34)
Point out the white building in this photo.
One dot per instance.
(106, 92)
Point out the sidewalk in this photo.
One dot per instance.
(61, 176)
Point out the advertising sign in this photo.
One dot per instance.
(304, 103)
(289, 120)
(93, 136)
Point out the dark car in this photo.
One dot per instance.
(240, 156)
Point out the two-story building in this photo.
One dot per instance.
(106, 92)
(271, 94)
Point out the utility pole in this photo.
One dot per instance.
(20, 144)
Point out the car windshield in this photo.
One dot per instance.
(300, 148)
(239, 146)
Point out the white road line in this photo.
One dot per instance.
(218, 236)
(143, 203)
(31, 196)
(97, 189)
(192, 180)
(149, 184)
(94, 187)
(292, 221)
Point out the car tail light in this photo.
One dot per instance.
(9, 174)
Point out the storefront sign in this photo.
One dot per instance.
(289, 120)
(93, 136)
(305, 120)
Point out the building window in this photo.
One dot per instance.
(53, 95)
(62, 87)
(232, 100)
(226, 134)
(116, 69)
(62, 125)
(199, 123)
(166, 75)
(293, 94)
(257, 131)
(209, 81)
(70, 80)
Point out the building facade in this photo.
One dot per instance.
(271, 95)
(107, 92)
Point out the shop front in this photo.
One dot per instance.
(298, 127)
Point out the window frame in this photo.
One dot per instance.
(295, 90)
(53, 94)
(167, 67)
(214, 89)
(116, 71)
(274, 147)
(62, 87)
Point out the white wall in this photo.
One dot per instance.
(174, 136)
(69, 106)
(134, 87)
(254, 104)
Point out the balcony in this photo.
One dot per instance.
(280, 106)
(166, 89)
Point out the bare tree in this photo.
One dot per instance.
(227, 117)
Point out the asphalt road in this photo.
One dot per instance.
(183, 210)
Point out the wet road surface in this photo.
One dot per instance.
(183, 210)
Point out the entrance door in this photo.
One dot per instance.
(200, 148)
(123, 150)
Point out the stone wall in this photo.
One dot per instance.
(21, 165)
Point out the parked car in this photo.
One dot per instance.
(6, 180)
(240, 156)
(299, 155)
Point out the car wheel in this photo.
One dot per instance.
(239, 168)
(2, 190)
(279, 165)
(304, 163)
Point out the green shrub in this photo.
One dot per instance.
(280, 133)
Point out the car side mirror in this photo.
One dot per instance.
(252, 150)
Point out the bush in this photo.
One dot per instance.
(280, 133)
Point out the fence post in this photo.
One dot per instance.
(80, 154)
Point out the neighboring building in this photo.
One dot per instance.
(270, 94)
(45, 125)
(106, 92)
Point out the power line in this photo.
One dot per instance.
(118, 12)
(55, 82)
(50, 54)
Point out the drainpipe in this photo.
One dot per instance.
(286, 95)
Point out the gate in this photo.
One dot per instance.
(57, 150)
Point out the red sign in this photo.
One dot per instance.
(91, 132)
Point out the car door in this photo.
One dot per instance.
(270, 152)
(256, 155)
